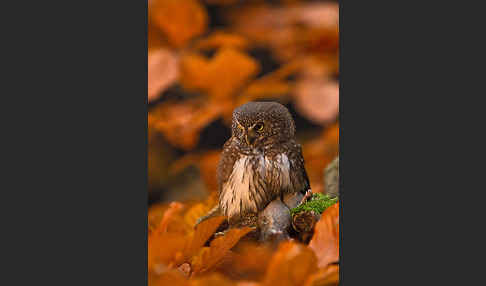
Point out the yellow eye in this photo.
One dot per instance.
(259, 127)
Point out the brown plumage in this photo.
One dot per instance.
(261, 162)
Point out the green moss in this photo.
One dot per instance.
(318, 203)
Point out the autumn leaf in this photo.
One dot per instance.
(180, 20)
(222, 40)
(171, 218)
(248, 260)
(155, 215)
(166, 276)
(163, 70)
(291, 265)
(317, 99)
(203, 232)
(210, 256)
(325, 241)
(328, 276)
(181, 123)
(200, 209)
(167, 241)
(213, 279)
(165, 250)
(220, 76)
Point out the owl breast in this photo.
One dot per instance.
(255, 181)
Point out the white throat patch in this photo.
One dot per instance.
(253, 183)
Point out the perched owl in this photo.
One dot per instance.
(261, 162)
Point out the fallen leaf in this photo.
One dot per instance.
(291, 265)
(166, 242)
(163, 70)
(317, 99)
(320, 15)
(180, 20)
(325, 241)
(155, 215)
(181, 123)
(328, 276)
(247, 283)
(223, 75)
(171, 218)
(167, 277)
(213, 279)
(209, 257)
(249, 261)
(203, 232)
(200, 209)
(218, 40)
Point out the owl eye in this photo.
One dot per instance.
(259, 127)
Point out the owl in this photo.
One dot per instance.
(260, 163)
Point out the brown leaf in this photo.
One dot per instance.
(210, 257)
(180, 20)
(325, 241)
(163, 70)
(291, 265)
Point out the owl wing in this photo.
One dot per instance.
(298, 174)
(226, 162)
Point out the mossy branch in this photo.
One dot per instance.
(318, 203)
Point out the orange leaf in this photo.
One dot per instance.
(164, 250)
(213, 279)
(200, 209)
(163, 70)
(181, 123)
(221, 76)
(249, 261)
(203, 232)
(219, 247)
(180, 20)
(291, 265)
(167, 277)
(317, 99)
(171, 217)
(328, 276)
(325, 241)
(222, 40)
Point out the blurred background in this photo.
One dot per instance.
(206, 57)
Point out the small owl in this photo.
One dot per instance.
(261, 162)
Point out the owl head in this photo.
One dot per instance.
(256, 124)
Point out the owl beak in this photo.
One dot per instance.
(250, 137)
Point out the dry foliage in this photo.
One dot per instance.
(181, 254)
(206, 57)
